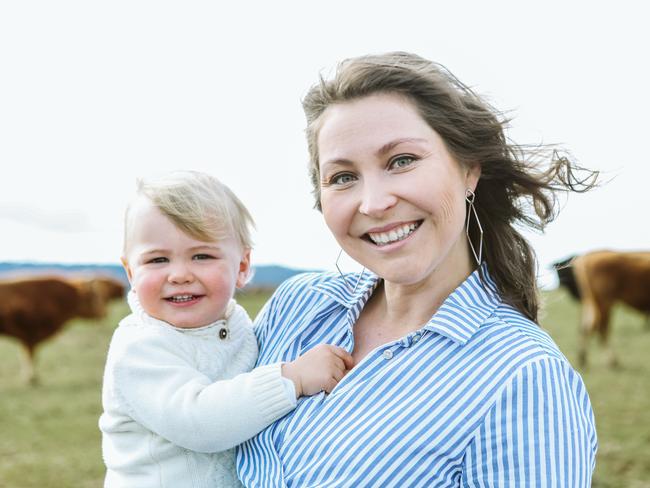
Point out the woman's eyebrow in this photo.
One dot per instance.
(392, 144)
(335, 162)
(380, 152)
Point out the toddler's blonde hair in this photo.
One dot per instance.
(198, 204)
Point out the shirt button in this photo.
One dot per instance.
(388, 354)
(416, 337)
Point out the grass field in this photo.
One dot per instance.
(49, 435)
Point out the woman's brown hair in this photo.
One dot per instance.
(518, 184)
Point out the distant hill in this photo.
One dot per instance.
(270, 276)
(265, 276)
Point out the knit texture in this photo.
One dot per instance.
(176, 400)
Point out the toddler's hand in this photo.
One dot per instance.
(319, 369)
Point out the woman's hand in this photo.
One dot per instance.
(319, 369)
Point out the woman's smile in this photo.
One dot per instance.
(393, 233)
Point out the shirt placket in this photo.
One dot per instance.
(387, 352)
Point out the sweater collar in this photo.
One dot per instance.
(459, 316)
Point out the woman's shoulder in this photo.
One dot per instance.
(299, 298)
(321, 289)
(524, 352)
(530, 336)
(308, 279)
(306, 285)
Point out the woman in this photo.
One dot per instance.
(454, 384)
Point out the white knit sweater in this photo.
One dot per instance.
(176, 401)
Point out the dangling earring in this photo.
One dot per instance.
(336, 263)
(469, 198)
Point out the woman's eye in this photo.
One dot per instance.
(401, 161)
(342, 179)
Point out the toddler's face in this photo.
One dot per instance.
(178, 279)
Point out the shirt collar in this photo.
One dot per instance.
(467, 308)
(350, 289)
(459, 316)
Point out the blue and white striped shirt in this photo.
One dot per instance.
(480, 396)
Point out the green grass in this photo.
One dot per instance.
(50, 435)
(620, 397)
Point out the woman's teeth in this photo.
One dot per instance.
(394, 235)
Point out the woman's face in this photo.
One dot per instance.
(391, 193)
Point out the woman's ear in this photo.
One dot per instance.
(472, 175)
(244, 269)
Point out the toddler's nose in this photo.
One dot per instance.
(180, 274)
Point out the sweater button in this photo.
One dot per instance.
(223, 333)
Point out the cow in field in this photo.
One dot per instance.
(34, 309)
(102, 289)
(600, 280)
(565, 276)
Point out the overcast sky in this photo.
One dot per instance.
(95, 94)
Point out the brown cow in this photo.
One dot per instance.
(604, 278)
(34, 309)
(102, 290)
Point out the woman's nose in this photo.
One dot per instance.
(376, 198)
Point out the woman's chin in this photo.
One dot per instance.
(400, 273)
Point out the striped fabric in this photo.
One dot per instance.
(480, 396)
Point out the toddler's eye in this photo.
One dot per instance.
(157, 260)
(200, 257)
(402, 161)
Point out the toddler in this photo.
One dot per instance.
(179, 388)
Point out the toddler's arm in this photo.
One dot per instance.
(319, 369)
(159, 389)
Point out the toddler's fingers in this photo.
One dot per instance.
(340, 366)
(330, 384)
(344, 355)
(334, 363)
(338, 374)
